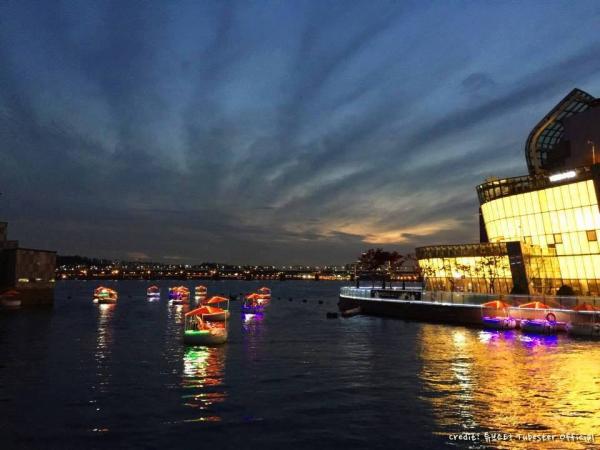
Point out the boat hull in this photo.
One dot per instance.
(10, 303)
(253, 309)
(499, 323)
(539, 326)
(204, 338)
(585, 330)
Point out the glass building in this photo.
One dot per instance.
(538, 233)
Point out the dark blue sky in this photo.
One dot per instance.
(272, 131)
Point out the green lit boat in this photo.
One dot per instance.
(200, 330)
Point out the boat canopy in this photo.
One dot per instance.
(534, 305)
(216, 299)
(198, 311)
(104, 290)
(264, 290)
(586, 307)
(496, 304)
(180, 289)
(10, 293)
(253, 296)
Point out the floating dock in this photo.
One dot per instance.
(458, 308)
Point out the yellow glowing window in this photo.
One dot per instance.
(583, 242)
(508, 207)
(584, 199)
(591, 192)
(543, 202)
(574, 194)
(566, 197)
(558, 238)
(591, 235)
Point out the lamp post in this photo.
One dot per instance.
(593, 151)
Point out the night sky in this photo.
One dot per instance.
(272, 132)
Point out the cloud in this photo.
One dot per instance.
(279, 133)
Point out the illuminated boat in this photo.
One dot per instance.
(265, 293)
(584, 321)
(179, 295)
(153, 293)
(547, 325)
(217, 313)
(200, 293)
(105, 295)
(495, 321)
(200, 331)
(253, 304)
(10, 299)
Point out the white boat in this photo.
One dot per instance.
(153, 293)
(200, 293)
(104, 295)
(198, 330)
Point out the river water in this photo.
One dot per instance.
(82, 375)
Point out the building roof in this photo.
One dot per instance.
(549, 131)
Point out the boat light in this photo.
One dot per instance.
(562, 176)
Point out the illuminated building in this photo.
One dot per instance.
(538, 233)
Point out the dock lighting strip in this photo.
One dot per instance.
(562, 176)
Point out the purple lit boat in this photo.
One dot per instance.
(499, 323)
(253, 304)
(496, 322)
(541, 326)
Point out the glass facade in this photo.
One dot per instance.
(539, 232)
(562, 221)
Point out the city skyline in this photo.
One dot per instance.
(272, 133)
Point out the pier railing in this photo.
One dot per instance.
(465, 298)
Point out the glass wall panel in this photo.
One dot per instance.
(558, 220)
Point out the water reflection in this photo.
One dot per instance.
(508, 382)
(253, 327)
(203, 371)
(104, 341)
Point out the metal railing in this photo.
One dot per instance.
(465, 298)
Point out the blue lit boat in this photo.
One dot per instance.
(547, 325)
(253, 304)
(539, 326)
(179, 295)
(498, 322)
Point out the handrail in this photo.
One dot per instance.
(465, 298)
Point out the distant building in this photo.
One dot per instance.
(29, 271)
(539, 233)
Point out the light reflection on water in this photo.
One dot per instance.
(104, 342)
(508, 382)
(203, 371)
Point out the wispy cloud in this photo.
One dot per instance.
(275, 132)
